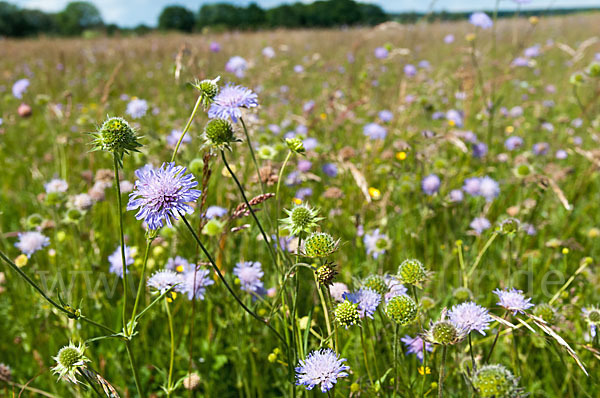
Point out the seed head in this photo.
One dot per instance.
(116, 136)
(295, 145)
(218, 134)
(509, 226)
(462, 293)
(545, 311)
(326, 274)
(412, 272)
(495, 381)
(68, 360)
(593, 70)
(319, 244)
(376, 283)
(208, 90)
(346, 314)
(402, 309)
(302, 219)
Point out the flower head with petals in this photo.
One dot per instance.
(231, 98)
(322, 368)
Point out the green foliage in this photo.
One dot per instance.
(176, 18)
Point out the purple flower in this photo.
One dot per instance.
(268, 52)
(381, 53)
(375, 131)
(163, 193)
(330, 169)
(304, 165)
(513, 300)
(20, 87)
(215, 47)
(215, 211)
(116, 261)
(385, 116)
(481, 19)
(303, 193)
(230, 99)
(136, 108)
(414, 345)
(395, 287)
(430, 184)
(513, 142)
(449, 39)
(410, 70)
(541, 148)
(322, 368)
(533, 51)
(310, 143)
(163, 280)
(56, 185)
(30, 242)
(480, 224)
(470, 316)
(249, 273)
(298, 68)
(174, 137)
(520, 62)
(194, 283)
(179, 264)
(471, 186)
(456, 195)
(455, 116)
(337, 291)
(488, 188)
(367, 299)
(376, 243)
(308, 106)
(479, 150)
(561, 154)
(237, 65)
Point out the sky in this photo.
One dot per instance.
(130, 13)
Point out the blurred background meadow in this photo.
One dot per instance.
(469, 144)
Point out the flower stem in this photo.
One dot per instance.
(141, 285)
(122, 236)
(472, 355)
(325, 312)
(241, 188)
(220, 275)
(364, 350)
(396, 373)
(172, 354)
(442, 370)
(134, 369)
(481, 253)
(187, 127)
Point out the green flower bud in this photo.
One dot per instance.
(68, 360)
(208, 90)
(593, 70)
(34, 220)
(116, 136)
(196, 166)
(412, 272)
(295, 145)
(545, 311)
(376, 283)
(218, 133)
(301, 219)
(326, 273)
(462, 294)
(213, 227)
(577, 79)
(402, 309)
(509, 226)
(346, 314)
(495, 381)
(267, 152)
(319, 244)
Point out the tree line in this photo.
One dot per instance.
(81, 17)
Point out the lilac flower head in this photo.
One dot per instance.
(381, 53)
(410, 70)
(471, 186)
(375, 131)
(455, 116)
(56, 185)
(163, 280)
(456, 195)
(215, 47)
(430, 184)
(385, 115)
(237, 65)
(480, 224)
(513, 300)
(449, 38)
(230, 99)
(480, 149)
(268, 52)
(519, 62)
(337, 291)
(215, 211)
(561, 154)
(395, 287)
(533, 51)
(136, 108)
(330, 169)
(376, 243)
(367, 299)
(20, 87)
(163, 193)
(249, 274)
(513, 142)
(414, 345)
(470, 316)
(488, 188)
(174, 137)
(194, 283)
(116, 261)
(30, 242)
(481, 19)
(541, 148)
(322, 368)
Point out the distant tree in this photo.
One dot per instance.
(77, 17)
(11, 21)
(176, 18)
(37, 22)
(290, 16)
(221, 14)
(254, 16)
(372, 14)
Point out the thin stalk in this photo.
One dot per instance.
(442, 370)
(396, 372)
(241, 188)
(122, 236)
(134, 369)
(481, 253)
(325, 312)
(472, 355)
(278, 202)
(141, 285)
(220, 275)
(364, 350)
(249, 142)
(172, 353)
(187, 127)
(489, 355)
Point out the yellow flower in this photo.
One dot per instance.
(323, 116)
(171, 296)
(451, 123)
(593, 232)
(401, 155)
(297, 201)
(374, 193)
(426, 370)
(509, 129)
(565, 250)
(21, 260)
(470, 37)
(534, 20)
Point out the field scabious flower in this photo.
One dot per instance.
(412, 272)
(414, 345)
(381, 53)
(162, 193)
(374, 131)
(116, 261)
(323, 367)
(302, 219)
(480, 224)
(215, 212)
(376, 243)
(19, 88)
(30, 242)
(249, 273)
(136, 108)
(194, 283)
(492, 381)
(237, 65)
(481, 20)
(489, 188)
(367, 299)
(163, 280)
(56, 185)
(513, 300)
(470, 316)
(402, 309)
(209, 89)
(116, 136)
(592, 317)
(337, 291)
(174, 137)
(231, 98)
(513, 142)
(68, 361)
(179, 264)
(430, 184)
